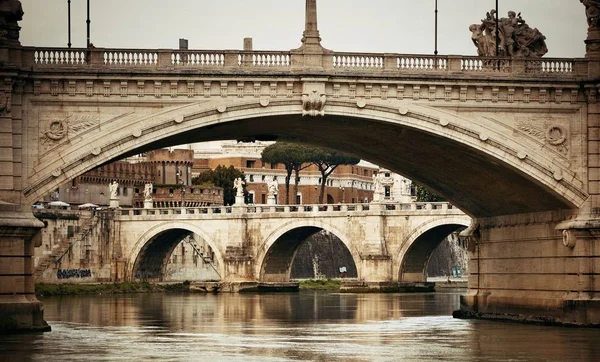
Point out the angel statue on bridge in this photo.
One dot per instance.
(113, 188)
(238, 185)
(148, 191)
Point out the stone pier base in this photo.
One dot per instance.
(20, 311)
(537, 268)
(565, 312)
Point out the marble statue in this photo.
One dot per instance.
(148, 191)
(113, 188)
(238, 185)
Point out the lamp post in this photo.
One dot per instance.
(69, 21)
(435, 51)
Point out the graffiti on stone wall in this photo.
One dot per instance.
(73, 273)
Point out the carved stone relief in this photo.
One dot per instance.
(59, 128)
(313, 104)
(553, 134)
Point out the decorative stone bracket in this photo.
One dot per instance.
(471, 236)
(578, 229)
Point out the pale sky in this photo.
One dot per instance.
(379, 26)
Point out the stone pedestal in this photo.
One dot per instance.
(239, 200)
(148, 204)
(20, 311)
(114, 203)
(271, 200)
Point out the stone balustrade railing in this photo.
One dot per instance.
(294, 210)
(52, 58)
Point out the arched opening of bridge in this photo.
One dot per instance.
(414, 264)
(176, 255)
(307, 253)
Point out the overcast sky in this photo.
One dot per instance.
(391, 26)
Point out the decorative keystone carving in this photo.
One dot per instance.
(313, 104)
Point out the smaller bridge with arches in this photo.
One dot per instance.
(258, 243)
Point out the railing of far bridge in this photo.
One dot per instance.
(295, 210)
(149, 59)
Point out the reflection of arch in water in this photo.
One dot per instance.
(149, 256)
(275, 256)
(417, 248)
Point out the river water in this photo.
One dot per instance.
(305, 326)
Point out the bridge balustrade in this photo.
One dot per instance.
(290, 209)
(46, 58)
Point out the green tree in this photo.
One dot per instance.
(295, 157)
(424, 195)
(327, 161)
(222, 177)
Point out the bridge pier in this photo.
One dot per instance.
(534, 268)
(20, 311)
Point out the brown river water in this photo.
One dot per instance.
(304, 326)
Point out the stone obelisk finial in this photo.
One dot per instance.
(310, 37)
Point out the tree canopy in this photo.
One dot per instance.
(295, 157)
(425, 195)
(327, 161)
(223, 177)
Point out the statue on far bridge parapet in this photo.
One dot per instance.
(515, 37)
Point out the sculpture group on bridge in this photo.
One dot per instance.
(515, 37)
(592, 13)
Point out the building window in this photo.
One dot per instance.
(263, 198)
(251, 178)
(263, 178)
(387, 174)
(387, 192)
(250, 163)
(124, 191)
(273, 166)
(250, 198)
(274, 178)
(299, 199)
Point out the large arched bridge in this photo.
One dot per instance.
(513, 142)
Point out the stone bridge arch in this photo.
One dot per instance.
(416, 249)
(274, 257)
(445, 151)
(175, 229)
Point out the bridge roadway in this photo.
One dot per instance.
(513, 142)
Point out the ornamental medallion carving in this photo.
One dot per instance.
(58, 129)
(313, 104)
(552, 134)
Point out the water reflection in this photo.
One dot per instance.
(309, 326)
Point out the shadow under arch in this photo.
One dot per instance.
(274, 262)
(420, 244)
(150, 253)
(442, 151)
